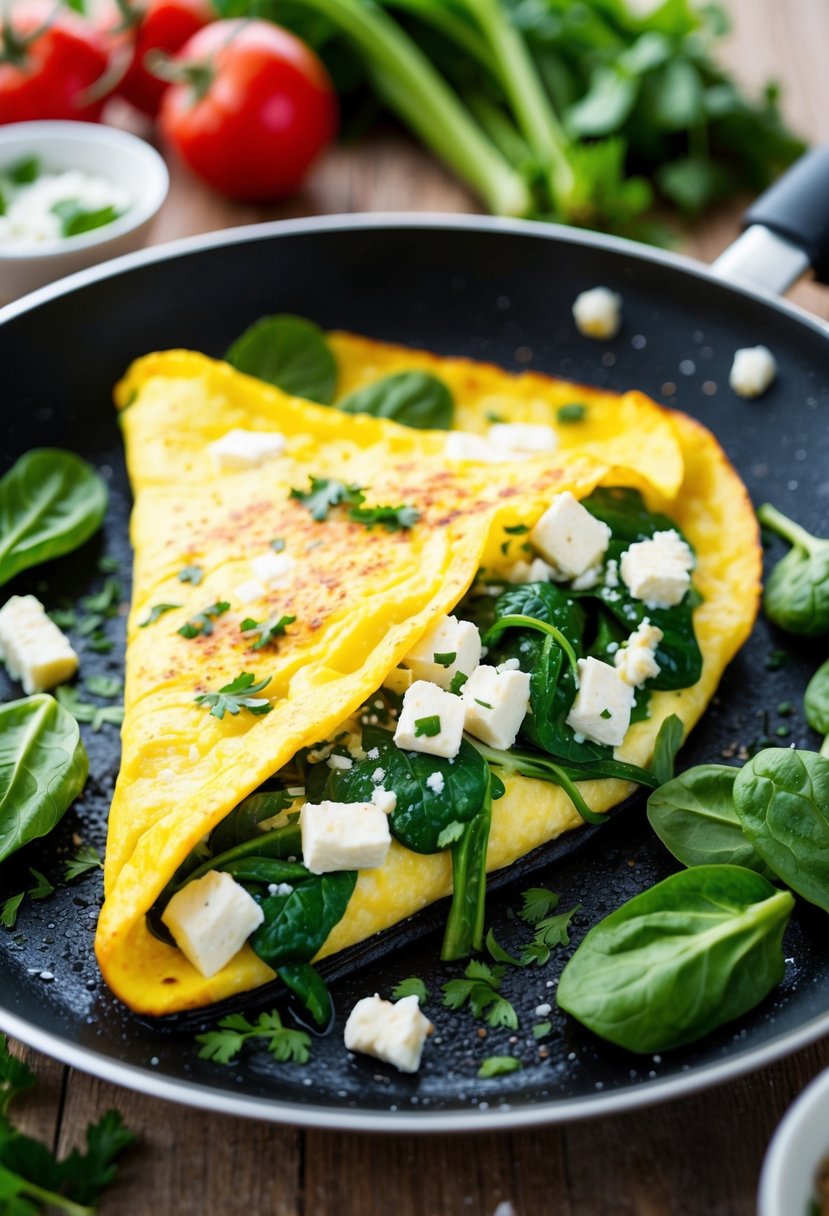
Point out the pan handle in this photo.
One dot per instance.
(786, 230)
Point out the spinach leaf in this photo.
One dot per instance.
(782, 799)
(797, 590)
(310, 988)
(50, 503)
(290, 353)
(668, 743)
(672, 964)
(816, 704)
(624, 511)
(241, 824)
(297, 925)
(414, 399)
(43, 769)
(695, 818)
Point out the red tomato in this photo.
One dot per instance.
(51, 56)
(158, 25)
(255, 110)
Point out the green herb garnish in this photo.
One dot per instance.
(76, 219)
(68, 695)
(573, 412)
(413, 986)
(457, 682)
(104, 686)
(191, 574)
(156, 612)
(24, 172)
(266, 632)
(498, 1066)
(201, 624)
(480, 991)
(326, 493)
(224, 1044)
(87, 858)
(445, 658)
(393, 519)
(428, 726)
(237, 695)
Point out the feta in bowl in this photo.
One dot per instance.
(72, 194)
(795, 1157)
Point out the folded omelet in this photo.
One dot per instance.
(360, 598)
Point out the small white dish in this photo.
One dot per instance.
(800, 1143)
(92, 148)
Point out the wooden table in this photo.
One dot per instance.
(698, 1155)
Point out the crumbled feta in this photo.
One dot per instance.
(240, 449)
(448, 647)
(273, 568)
(392, 1032)
(398, 680)
(598, 312)
(636, 662)
(611, 573)
(587, 580)
(210, 919)
(373, 753)
(430, 721)
(543, 1010)
(343, 836)
(570, 537)
(508, 665)
(251, 591)
(601, 710)
(754, 369)
(523, 438)
(280, 888)
(536, 571)
(34, 650)
(385, 800)
(495, 704)
(340, 763)
(657, 571)
(30, 219)
(435, 782)
(379, 774)
(463, 445)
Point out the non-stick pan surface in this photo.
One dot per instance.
(489, 290)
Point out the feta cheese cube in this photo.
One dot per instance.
(570, 537)
(34, 650)
(398, 680)
(523, 438)
(754, 369)
(536, 571)
(211, 919)
(430, 721)
(272, 569)
(657, 571)
(448, 647)
(636, 661)
(343, 836)
(251, 591)
(240, 449)
(495, 704)
(464, 445)
(601, 710)
(598, 312)
(385, 800)
(392, 1032)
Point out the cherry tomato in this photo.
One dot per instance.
(50, 57)
(254, 109)
(151, 25)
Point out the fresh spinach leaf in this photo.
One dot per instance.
(414, 399)
(290, 353)
(43, 769)
(782, 799)
(667, 744)
(308, 986)
(797, 591)
(242, 822)
(695, 818)
(816, 704)
(692, 953)
(51, 501)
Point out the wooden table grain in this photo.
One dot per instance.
(701, 1154)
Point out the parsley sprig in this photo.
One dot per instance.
(156, 612)
(201, 623)
(267, 633)
(69, 696)
(480, 990)
(237, 695)
(15, 1077)
(498, 1066)
(413, 986)
(191, 574)
(224, 1044)
(87, 858)
(551, 929)
(325, 493)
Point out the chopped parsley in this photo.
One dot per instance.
(551, 929)
(445, 658)
(776, 659)
(9, 909)
(106, 601)
(278, 544)
(413, 986)
(497, 952)
(326, 493)
(505, 547)
(393, 519)
(480, 990)
(202, 623)
(606, 714)
(104, 686)
(68, 695)
(516, 530)
(266, 632)
(224, 1044)
(42, 889)
(108, 564)
(457, 682)
(542, 1029)
(87, 858)
(237, 695)
(498, 1066)
(191, 574)
(483, 704)
(428, 727)
(156, 612)
(574, 412)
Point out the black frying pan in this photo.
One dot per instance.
(491, 290)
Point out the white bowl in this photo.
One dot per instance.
(127, 161)
(797, 1149)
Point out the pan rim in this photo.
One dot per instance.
(548, 1112)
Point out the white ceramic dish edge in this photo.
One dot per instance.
(797, 1148)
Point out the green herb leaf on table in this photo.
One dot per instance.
(107, 687)
(51, 501)
(497, 952)
(87, 858)
(108, 564)
(191, 574)
(413, 986)
(290, 353)
(237, 695)
(266, 633)
(69, 697)
(43, 769)
(415, 399)
(550, 932)
(201, 623)
(10, 908)
(156, 612)
(105, 602)
(480, 991)
(796, 596)
(538, 903)
(692, 953)
(43, 888)
(224, 1044)
(498, 1066)
(542, 1029)
(15, 1076)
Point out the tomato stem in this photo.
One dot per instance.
(199, 75)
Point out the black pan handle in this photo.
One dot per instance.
(786, 229)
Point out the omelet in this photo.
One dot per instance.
(360, 598)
